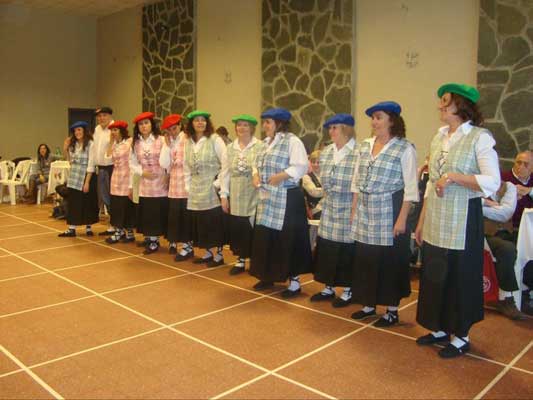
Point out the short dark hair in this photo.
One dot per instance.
(222, 131)
(189, 129)
(397, 128)
(467, 110)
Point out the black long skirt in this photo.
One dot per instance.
(381, 273)
(123, 212)
(276, 255)
(152, 214)
(179, 221)
(240, 234)
(83, 207)
(333, 262)
(451, 282)
(207, 227)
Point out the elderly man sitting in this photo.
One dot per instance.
(498, 211)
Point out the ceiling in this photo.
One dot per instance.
(95, 8)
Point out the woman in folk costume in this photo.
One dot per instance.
(122, 208)
(384, 186)
(172, 158)
(153, 186)
(237, 184)
(205, 158)
(281, 247)
(82, 195)
(335, 248)
(463, 168)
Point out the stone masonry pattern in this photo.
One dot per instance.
(168, 57)
(505, 74)
(307, 61)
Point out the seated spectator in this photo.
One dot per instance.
(44, 159)
(497, 212)
(312, 186)
(521, 176)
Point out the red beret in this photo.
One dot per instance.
(118, 124)
(144, 115)
(170, 120)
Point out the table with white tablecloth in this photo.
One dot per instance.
(524, 250)
(59, 171)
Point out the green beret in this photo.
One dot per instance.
(468, 92)
(198, 113)
(244, 117)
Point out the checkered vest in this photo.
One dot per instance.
(376, 181)
(148, 156)
(273, 199)
(204, 166)
(243, 195)
(79, 160)
(176, 187)
(337, 205)
(445, 219)
(120, 178)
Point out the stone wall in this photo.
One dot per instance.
(505, 74)
(168, 57)
(307, 61)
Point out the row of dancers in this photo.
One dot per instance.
(196, 191)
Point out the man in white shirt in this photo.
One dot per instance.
(498, 211)
(105, 164)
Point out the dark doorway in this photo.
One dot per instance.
(82, 114)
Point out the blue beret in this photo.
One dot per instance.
(345, 119)
(78, 124)
(389, 106)
(279, 114)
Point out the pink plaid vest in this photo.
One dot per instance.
(148, 157)
(120, 178)
(176, 189)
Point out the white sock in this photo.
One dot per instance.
(219, 255)
(173, 244)
(88, 228)
(459, 342)
(240, 263)
(502, 294)
(346, 294)
(294, 283)
(367, 309)
(129, 233)
(111, 229)
(153, 238)
(207, 254)
(72, 227)
(328, 290)
(438, 334)
(392, 309)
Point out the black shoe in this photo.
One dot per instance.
(89, 233)
(68, 233)
(429, 339)
(321, 297)
(450, 351)
(262, 285)
(287, 294)
(362, 315)
(339, 303)
(213, 263)
(172, 250)
(125, 239)
(180, 257)
(236, 270)
(106, 233)
(151, 247)
(112, 240)
(389, 319)
(202, 260)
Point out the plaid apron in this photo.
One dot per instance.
(377, 179)
(204, 166)
(176, 189)
(445, 220)
(79, 160)
(243, 195)
(273, 199)
(120, 178)
(337, 205)
(148, 156)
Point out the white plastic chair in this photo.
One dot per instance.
(20, 177)
(6, 173)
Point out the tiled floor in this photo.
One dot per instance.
(85, 320)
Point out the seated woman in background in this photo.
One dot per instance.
(44, 159)
(313, 187)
